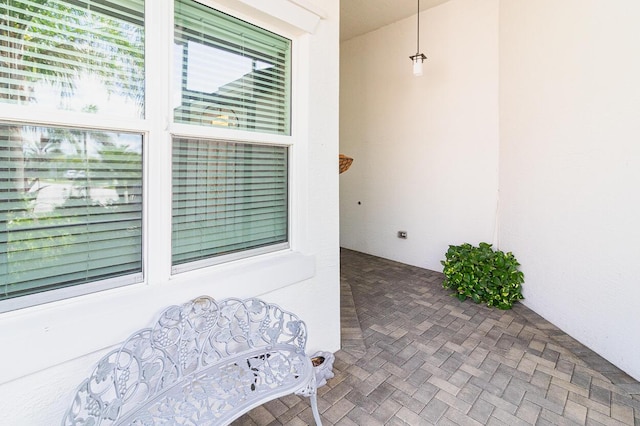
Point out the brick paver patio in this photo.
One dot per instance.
(413, 355)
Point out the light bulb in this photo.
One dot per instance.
(417, 66)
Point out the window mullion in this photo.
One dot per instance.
(158, 146)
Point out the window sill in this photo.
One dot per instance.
(71, 328)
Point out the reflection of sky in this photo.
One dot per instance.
(130, 140)
(89, 92)
(210, 68)
(176, 76)
(69, 145)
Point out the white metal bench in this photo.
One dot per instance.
(205, 362)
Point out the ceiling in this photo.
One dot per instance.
(358, 17)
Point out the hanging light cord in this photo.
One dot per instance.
(418, 58)
(418, 35)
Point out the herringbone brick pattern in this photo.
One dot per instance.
(421, 357)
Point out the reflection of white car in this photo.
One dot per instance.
(52, 195)
(103, 196)
(75, 174)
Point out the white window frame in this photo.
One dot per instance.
(46, 117)
(173, 129)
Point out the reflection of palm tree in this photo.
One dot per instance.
(16, 23)
(51, 41)
(54, 42)
(69, 154)
(19, 22)
(127, 171)
(43, 40)
(40, 152)
(43, 146)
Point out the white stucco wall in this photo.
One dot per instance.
(426, 152)
(425, 148)
(570, 166)
(47, 350)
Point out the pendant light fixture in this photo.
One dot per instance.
(418, 58)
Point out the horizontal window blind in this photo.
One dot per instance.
(227, 198)
(80, 55)
(70, 208)
(230, 73)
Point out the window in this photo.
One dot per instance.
(70, 196)
(81, 55)
(72, 208)
(230, 199)
(229, 73)
(78, 137)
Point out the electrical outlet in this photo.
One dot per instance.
(402, 234)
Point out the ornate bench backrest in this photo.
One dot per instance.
(184, 340)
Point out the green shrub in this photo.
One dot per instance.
(483, 274)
